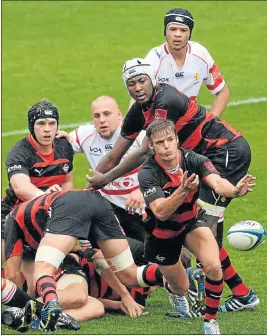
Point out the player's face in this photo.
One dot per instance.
(107, 117)
(45, 131)
(177, 36)
(165, 144)
(140, 88)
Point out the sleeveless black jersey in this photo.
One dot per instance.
(43, 170)
(155, 182)
(196, 128)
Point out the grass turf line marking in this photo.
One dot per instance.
(67, 126)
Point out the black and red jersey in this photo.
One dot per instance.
(197, 129)
(156, 182)
(43, 170)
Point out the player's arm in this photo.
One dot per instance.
(113, 305)
(68, 184)
(111, 279)
(163, 207)
(224, 188)
(220, 102)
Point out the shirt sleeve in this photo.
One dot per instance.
(149, 185)
(17, 163)
(153, 58)
(76, 145)
(133, 122)
(203, 166)
(214, 80)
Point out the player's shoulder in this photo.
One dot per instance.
(21, 147)
(156, 52)
(198, 49)
(191, 156)
(85, 131)
(61, 143)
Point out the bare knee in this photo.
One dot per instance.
(99, 309)
(213, 269)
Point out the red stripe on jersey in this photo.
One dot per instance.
(48, 181)
(190, 113)
(17, 249)
(167, 234)
(193, 99)
(185, 216)
(35, 208)
(230, 128)
(194, 139)
(136, 170)
(20, 220)
(165, 49)
(51, 163)
(217, 77)
(132, 136)
(119, 192)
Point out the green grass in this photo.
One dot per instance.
(71, 52)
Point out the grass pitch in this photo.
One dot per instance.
(73, 51)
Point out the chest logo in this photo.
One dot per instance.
(66, 168)
(39, 171)
(196, 76)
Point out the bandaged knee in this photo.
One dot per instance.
(100, 265)
(50, 255)
(121, 261)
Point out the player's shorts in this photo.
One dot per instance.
(70, 266)
(131, 224)
(137, 249)
(84, 215)
(232, 162)
(168, 251)
(28, 254)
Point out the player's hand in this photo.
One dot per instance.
(245, 185)
(63, 134)
(96, 181)
(135, 202)
(188, 183)
(53, 188)
(130, 307)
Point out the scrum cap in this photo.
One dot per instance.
(136, 67)
(41, 110)
(179, 15)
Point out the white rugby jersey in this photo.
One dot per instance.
(87, 140)
(198, 67)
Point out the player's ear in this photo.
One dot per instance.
(150, 145)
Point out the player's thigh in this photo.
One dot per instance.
(201, 242)
(63, 243)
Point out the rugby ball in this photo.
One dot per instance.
(246, 235)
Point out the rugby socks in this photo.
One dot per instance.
(213, 291)
(149, 275)
(46, 287)
(233, 280)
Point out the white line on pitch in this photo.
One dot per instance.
(66, 126)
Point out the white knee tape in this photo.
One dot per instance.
(50, 255)
(121, 261)
(100, 265)
(139, 276)
(212, 210)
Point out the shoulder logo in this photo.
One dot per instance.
(150, 192)
(39, 171)
(13, 168)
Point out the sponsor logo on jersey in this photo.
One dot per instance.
(39, 171)
(95, 150)
(13, 168)
(159, 258)
(66, 168)
(167, 192)
(159, 113)
(150, 192)
(164, 80)
(179, 75)
(128, 182)
(196, 76)
(108, 146)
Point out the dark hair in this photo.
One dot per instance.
(179, 15)
(159, 125)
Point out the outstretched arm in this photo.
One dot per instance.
(220, 101)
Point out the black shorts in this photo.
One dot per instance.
(70, 266)
(28, 254)
(167, 251)
(137, 249)
(232, 162)
(84, 215)
(131, 224)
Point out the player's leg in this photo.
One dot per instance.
(27, 268)
(203, 245)
(50, 254)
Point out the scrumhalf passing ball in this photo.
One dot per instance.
(246, 235)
